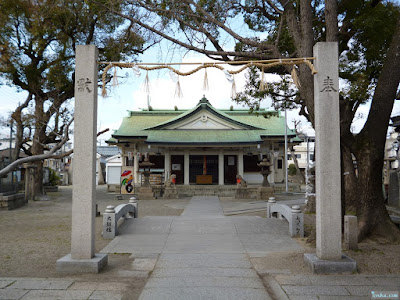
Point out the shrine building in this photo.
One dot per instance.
(203, 145)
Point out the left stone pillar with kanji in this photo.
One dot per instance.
(83, 258)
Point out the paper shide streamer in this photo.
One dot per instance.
(261, 64)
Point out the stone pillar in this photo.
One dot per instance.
(186, 168)
(328, 180)
(82, 257)
(327, 135)
(167, 164)
(240, 163)
(85, 126)
(350, 232)
(221, 167)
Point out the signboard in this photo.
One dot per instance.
(176, 167)
(127, 183)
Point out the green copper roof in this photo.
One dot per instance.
(203, 137)
(203, 104)
(151, 126)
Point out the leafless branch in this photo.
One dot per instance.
(47, 155)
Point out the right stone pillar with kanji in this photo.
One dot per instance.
(329, 257)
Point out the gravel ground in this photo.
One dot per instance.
(33, 237)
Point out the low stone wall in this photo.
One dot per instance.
(183, 191)
(50, 188)
(13, 201)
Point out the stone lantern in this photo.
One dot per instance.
(146, 191)
(265, 171)
(265, 190)
(146, 165)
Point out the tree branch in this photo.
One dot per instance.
(47, 155)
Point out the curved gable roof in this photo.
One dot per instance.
(164, 127)
(203, 104)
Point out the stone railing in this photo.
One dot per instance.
(112, 215)
(293, 215)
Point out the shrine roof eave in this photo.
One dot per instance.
(203, 143)
(136, 137)
(266, 137)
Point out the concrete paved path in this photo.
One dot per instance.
(202, 254)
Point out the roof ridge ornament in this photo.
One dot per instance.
(204, 100)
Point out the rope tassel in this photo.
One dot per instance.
(136, 70)
(205, 83)
(295, 77)
(178, 90)
(233, 93)
(263, 84)
(115, 77)
(146, 84)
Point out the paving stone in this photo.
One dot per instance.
(185, 282)
(189, 260)
(315, 290)
(259, 225)
(198, 272)
(42, 284)
(210, 293)
(296, 297)
(146, 225)
(366, 290)
(203, 243)
(274, 272)
(342, 297)
(11, 294)
(293, 279)
(138, 244)
(144, 264)
(106, 295)
(203, 226)
(5, 283)
(340, 280)
(100, 286)
(208, 205)
(56, 294)
(393, 281)
(202, 256)
(127, 273)
(273, 287)
(144, 255)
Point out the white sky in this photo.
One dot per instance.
(130, 94)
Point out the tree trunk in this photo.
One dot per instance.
(37, 149)
(349, 193)
(370, 146)
(373, 218)
(18, 141)
(37, 145)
